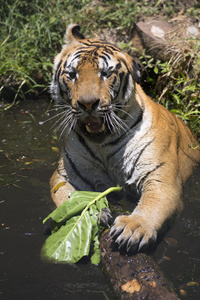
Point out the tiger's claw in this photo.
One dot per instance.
(132, 233)
(105, 217)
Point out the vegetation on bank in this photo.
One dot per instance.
(31, 33)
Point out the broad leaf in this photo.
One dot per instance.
(75, 227)
(73, 206)
(72, 241)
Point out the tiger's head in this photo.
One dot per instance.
(93, 82)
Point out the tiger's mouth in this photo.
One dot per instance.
(94, 125)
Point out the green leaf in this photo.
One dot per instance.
(71, 242)
(156, 70)
(95, 258)
(75, 227)
(72, 206)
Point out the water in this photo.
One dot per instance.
(27, 160)
(26, 163)
(179, 258)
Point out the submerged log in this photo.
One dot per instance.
(133, 276)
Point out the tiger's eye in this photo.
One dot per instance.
(104, 73)
(72, 74)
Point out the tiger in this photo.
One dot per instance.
(114, 134)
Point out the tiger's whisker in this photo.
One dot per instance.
(72, 121)
(118, 122)
(65, 114)
(108, 122)
(53, 126)
(119, 104)
(65, 126)
(118, 109)
(65, 121)
(51, 118)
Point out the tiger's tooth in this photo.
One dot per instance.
(91, 131)
(88, 128)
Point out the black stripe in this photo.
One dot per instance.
(125, 133)
(139, 119)
(113, 83)
(126, 82)
(121, 146)
(118, 66)
(104, 58)
(77, 56)
(117, 150)
(81, 51)
(141, 152)
(108, 47)
(83, 143)
(95, 53)
(108, 50)
(143, 179)
(65, 84)
(64, 72)
(121, 75)
(94, 43)
(100, 44)
(106, 54)
(57, 73)
(116, 91)
(83, 178)
(67, 89)
(119, 89)
(65, 64)
(115, 141)
(108, 75)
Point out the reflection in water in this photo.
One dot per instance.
(28, 156)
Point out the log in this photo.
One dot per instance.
(153, 46)
(133, 276)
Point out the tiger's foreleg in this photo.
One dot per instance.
(160, 201)
(60, 187)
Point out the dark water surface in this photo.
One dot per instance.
(179, 253)
(27, 160)
(26, 163)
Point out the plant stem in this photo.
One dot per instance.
(101, 195)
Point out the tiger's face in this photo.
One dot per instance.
(93, 81)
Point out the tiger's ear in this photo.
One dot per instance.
(132, 66)
(73, 34)
(136, 72)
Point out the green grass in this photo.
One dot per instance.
(181, 91)
(31, 34)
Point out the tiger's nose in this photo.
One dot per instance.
(88, 106)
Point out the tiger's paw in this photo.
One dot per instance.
(105, 217)
(133, 233)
